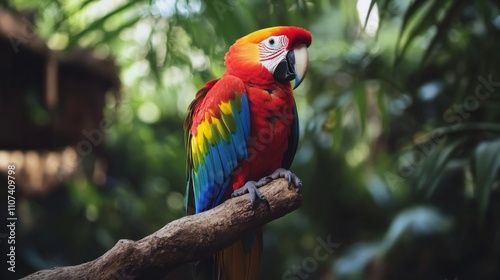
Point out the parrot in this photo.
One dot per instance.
(241, 132)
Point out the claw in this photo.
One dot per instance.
(251, 187)
(264, 181)
(287, 174)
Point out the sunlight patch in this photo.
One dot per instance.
(149, 112)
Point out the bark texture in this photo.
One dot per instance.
(184, 240)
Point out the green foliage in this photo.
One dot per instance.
(399, 149)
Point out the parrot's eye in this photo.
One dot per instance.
(272, 42)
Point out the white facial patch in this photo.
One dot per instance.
(273, 50)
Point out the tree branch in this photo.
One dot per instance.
(184, 240)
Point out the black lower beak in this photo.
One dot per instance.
(293, 66)
(285, 71)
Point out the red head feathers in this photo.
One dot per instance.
(276, 54)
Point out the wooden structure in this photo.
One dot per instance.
(51, 106)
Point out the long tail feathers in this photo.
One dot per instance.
(242, 259)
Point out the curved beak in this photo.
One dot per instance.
(301, 63)
(294, 66)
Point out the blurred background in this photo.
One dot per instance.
(400, 130)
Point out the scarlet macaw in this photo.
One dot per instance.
(242, 131)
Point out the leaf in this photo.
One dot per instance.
(372, 3)
(472, 127)
(382, 7)
(439, 164)
(65, 16)
(418, 221)
(108, 36)
(361, 100)
(425, 162)
(427, 21)
(354, 262)
(410, 12)
(442, 29)
(486, 166)
(98, 24)
(382, 105)
(152, 58)
(413, 222)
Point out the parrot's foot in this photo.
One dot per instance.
(252, 188)
(287, 174)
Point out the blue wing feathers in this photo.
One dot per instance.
(245, 116)
(225, 154)
(221, 194)
(210, 174)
